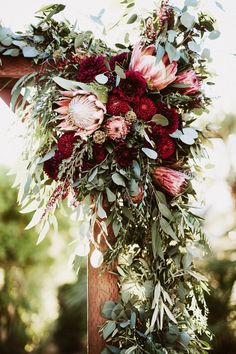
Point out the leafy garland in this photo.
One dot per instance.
(121, 144)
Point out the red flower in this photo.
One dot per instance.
(173, 118)
(51, 166)
(145, 109)
(124, 155)
(165, 146)
(118, 59)
(132, 87)
(172, 181)
(90, 67)
(117, 106)
(99, 155)
(66, 144)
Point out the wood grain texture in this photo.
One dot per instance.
(15, 67)
(101, 288)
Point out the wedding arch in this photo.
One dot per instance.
(114, 132)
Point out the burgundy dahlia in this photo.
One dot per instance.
(173, 118)
(99, 153)
(117, 106)
(118, 59)
(132, 87)
(51, 166)
(124, 155)
(66, 144)
(145, 109)
(165, 147)
(90, 67)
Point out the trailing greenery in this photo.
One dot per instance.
(147, 221)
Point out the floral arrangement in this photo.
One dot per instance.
(116, 135)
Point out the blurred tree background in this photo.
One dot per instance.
(30, 321)
(220, 265)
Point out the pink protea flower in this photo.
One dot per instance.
(157, 75)
(80, 111)
(189, 78)
(117, 128)
(172, 181)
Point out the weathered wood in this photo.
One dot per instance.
(101, 288)
(15, 67)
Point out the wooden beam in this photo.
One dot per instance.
(101, 286)
(15, 67)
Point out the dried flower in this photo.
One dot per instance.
(172, 181)
(117, 128)
(81, 112)
(131, 117)
(99, 137)
(157, 75)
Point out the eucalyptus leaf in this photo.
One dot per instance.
(108, 329)
(214, 35)
(187, 20)
(134, 187)
(120, 72)
(218, 4)
(118, 179)
(165, 211)
(48, 156)
(36, 219)
(14, 52)
(132, 19)
(172, 52)
(194, 46)
(191, 3)
(116, 226)
(93, 175)
(66, 84)
(136, 169)
(30, 52)
(167, 229)
(107, 309)
(160, 120)
(101, 79)
(152, 154)
(110, 195)
(160, 51)
(43, 232)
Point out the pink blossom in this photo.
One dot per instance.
(189, 78)
(172, 181)
(117, 128)
(157, 75)
(81, 112)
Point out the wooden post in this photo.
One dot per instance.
(101, 286)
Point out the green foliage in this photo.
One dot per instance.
(161, 307)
